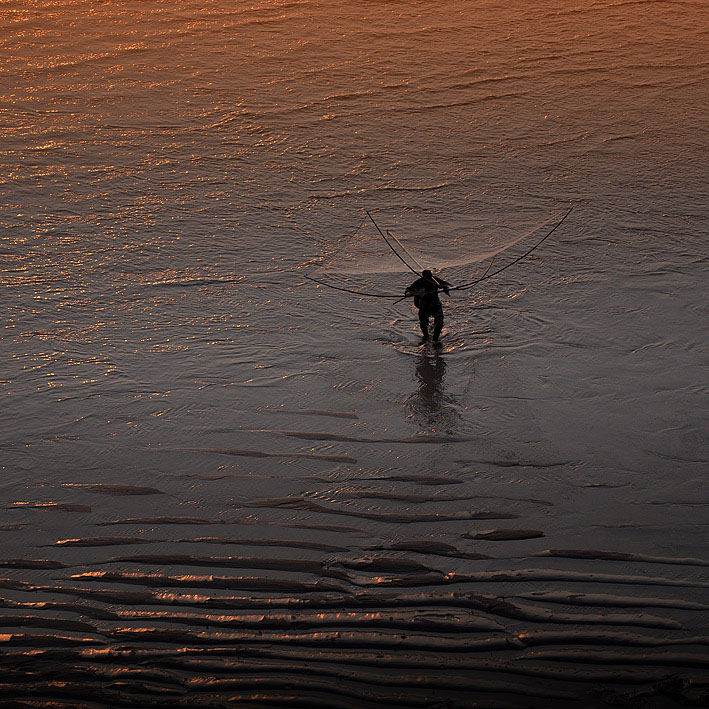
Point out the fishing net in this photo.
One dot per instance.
(363, 254)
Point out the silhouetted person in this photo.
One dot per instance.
(425, 292)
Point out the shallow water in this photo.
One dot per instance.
(222, 483)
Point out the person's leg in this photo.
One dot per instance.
(437, 322)
(423, 322)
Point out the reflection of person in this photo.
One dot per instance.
(425, 292)
(430, 371)
(429, 405)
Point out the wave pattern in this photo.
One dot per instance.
(404, 619)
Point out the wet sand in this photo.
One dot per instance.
(470, 598)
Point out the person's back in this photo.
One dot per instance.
(425, 291)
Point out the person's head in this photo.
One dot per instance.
(426, 274)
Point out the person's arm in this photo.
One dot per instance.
(411, 290)
(444, 285)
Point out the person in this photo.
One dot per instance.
(425, 292)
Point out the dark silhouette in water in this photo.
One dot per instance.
(430, 407)
(425, 292)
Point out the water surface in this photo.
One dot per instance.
(222, 483)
